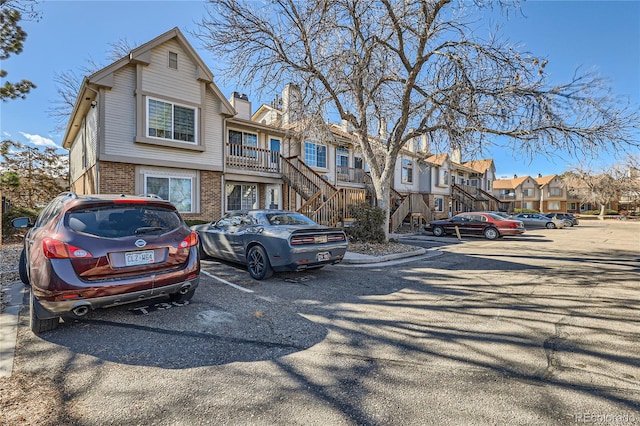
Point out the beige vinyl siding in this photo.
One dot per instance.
(120, 115)
(92, 137)
(158, 78)
(82, 155)
(75, 158)
(214, 140)
(120, 127)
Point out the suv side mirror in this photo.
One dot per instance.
(21, 222)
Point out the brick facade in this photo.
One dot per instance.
(117, 178)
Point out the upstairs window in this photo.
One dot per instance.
(342, 158)
(407, 170)
(173, 60)
(315, 155)
(527, 192)
(555, 192)
(242, 143)
(170, 121)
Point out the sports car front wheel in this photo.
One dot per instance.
(258, 263)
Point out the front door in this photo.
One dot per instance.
(274, 155)
(274, 200)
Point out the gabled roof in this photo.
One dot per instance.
(437, 159)
(339, 132)
(479, 165)
(104, 78)
(265, 109)
(509, 183)
(544, 180)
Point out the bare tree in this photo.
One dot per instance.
(68, 83)
(420, 67)
(604, 186)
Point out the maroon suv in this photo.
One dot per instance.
(95, 251)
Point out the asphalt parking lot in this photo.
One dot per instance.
(538, 329)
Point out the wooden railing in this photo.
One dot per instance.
(247, 157)
(298, 180)
(400, 214)
(350, 174)
(413, 204)
(336, 208)
(324, 203)
(321, 183)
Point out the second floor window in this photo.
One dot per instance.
(315, 155)
(407, 170)
(170, 121)
(342, 159)
(527, 192)
(555, 192)
(241, 143)
(445, 177)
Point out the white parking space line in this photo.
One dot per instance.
(236, 286)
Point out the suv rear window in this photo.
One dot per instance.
(122, 221)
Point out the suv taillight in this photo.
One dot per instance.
(56, 249)
(190, 241)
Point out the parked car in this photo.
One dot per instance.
(536, 220)
(502, 214)
(271, 240)
(567, 217)
(95, 251)
(490, 225)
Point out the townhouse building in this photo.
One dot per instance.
(155, 122)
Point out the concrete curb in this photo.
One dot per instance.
(359, 259)
(13, 296)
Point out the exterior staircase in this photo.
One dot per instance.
(323, 202)
(476, 199)
(413, 205)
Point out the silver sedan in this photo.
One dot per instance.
(535, 220)
(271, 240)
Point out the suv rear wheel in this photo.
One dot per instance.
(40, 325)
(22, 268)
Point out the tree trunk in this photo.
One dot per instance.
(601, 215)
(382, 187)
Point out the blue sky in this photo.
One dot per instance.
(600, 35)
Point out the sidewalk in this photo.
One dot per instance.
(12, 296)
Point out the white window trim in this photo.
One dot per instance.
(145, 172)
(173, 104)
(409, 167)
(326, 148)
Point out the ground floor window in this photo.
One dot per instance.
(554, 205)
(241, 197)
(527, 205)
(178, 190)
(438, 204)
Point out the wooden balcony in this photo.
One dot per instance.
(255, 159)
(350, 174)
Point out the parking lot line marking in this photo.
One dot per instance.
(236, 286)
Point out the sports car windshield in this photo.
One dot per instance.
(288, 219)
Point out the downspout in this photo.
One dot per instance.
(223, 202)
(98, 141)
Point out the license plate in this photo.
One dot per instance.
(133, 258)
(320, 239)
(321, 257)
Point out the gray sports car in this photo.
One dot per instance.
(271, 240)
